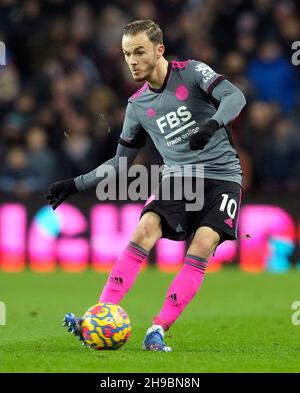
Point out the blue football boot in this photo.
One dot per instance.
(154, 340)
(74, 325)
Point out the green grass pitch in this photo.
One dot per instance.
(238, 322)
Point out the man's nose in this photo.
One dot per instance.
(132, 60)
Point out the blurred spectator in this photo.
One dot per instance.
(41, 158)
(82, 24)
(16, 175)
(233, 66)
(12, 128)
(73, 58)
(274, 77)
(78, 148)
(287, 20)
(9, 83)
(145, 9)
(281, 169)
(256, 136)
(107, 120)
(246, 44)
(19, 118)
(102, 100)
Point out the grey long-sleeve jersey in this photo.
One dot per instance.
(192, 93)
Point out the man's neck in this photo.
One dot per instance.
(158, 76)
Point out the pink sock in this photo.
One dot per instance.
(123, 273)
(182, 290)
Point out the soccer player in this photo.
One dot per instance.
(186, 109)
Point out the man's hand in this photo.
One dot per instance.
(200, 139)
(60, 191)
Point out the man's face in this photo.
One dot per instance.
(141, 55)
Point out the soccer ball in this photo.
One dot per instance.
(105, 326)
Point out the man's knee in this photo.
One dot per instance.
(204, 242)
(148, 230)
(202, 248)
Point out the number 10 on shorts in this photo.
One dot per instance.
(229, 204)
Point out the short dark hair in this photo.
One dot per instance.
(152, 30)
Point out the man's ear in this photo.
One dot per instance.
(160, 50)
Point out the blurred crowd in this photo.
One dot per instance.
(65, 85)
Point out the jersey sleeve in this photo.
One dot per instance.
(132, 135)
(204, 76)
